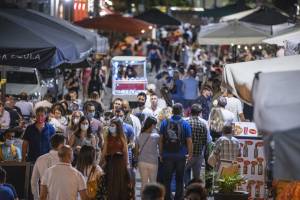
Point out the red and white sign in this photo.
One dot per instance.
(247, 129)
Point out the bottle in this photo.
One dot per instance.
(255, 152)
(245, 150)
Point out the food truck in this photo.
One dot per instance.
(129, 76)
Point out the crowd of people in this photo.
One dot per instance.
(82, 148)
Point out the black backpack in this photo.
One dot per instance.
(173, 136)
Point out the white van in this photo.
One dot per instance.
(23, 79)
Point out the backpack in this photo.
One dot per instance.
(153, 54)
(173, 136)
(216, 121)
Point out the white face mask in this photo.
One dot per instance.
(84, 127)
(112, 130)
(76, 120)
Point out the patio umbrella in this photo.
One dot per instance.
(28, 40)
(116, 23)
(233, 32)
(155, 16)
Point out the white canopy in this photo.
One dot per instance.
(232, 32)
(239, 76)
(293, 36)
(239, 15)
(276, 98)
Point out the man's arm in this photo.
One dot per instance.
(189, 144)
(242, 117)
(83, 195)
(35, 182)
(24, 150)
(44, 192)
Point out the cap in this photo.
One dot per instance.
(151, 87)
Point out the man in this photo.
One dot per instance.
(190, 88)
(25, 106)
(15, 117)
(199, 139)
(161, 103)
(117, 104)
(96, 101)
(4, 117)
(36, 139)
(44, 162)
(8, 151)
(175, 143)
(96, 125)
(141, 111)
(234, 105)
(196, 191)
(62, 181)
(154, 105)
(227, 147)
(205, 101)
(153, 191)
(6, 193)
(131, 119)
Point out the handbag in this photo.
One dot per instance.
(212, 159)
(92, 185)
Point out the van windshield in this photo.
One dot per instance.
(21, 77)
(132, 71)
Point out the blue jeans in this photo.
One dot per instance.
(173, 165)
(193, 165)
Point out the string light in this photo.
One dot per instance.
(245, 47)
(260, 47)
(253, 48)
(239, 46)
(142, 31)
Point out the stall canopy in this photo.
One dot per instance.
(276, 97)
(30, 40)
(266, 16)
(239, 76)
(116, 23)
(225, 10)
(155, 16)
(233, 32)
(238, 15)
(292, 35)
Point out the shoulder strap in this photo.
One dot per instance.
(1, 153)
(91, 173)
(142, 147)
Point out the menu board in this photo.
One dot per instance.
(247, 129)
(252, 165)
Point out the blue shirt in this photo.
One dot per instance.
(190, 88)
(6, 193)
(187, 133)
(38, 142)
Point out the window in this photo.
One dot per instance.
(21, 77)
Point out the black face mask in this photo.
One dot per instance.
(141, 104)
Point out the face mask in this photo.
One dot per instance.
(91, 115)
(121, 119)
(141, 104)
(84, 127)
(9, 142)
(76, 120)
(40, 120)
(112, 130)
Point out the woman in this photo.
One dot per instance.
(95, 84)
(86, 164)
(58, 121)
(82, 136)
(115, 162)
(73, 125)
(148, 151)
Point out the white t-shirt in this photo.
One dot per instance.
(234, 105)
(25, 107)
(41, 165)
(63, 182)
